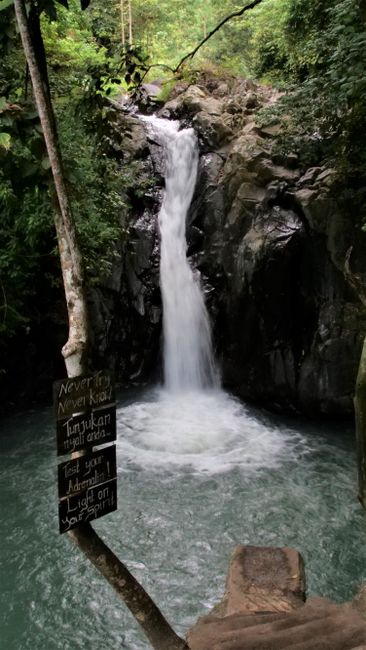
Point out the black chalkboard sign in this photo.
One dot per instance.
(80, 474)
(85, 393)
(86, 417)
(87, 506)
(86, 430)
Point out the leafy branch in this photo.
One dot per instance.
(140, 63)
(235, 14)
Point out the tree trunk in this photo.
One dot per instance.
(122, 10)
(360, 415)
(130, 23)
(75, 348)
(148, 615)
(156, 628)
(34, 25)
(358, 284)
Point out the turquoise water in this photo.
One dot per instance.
(196, 476)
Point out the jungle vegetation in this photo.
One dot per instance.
(310, 49)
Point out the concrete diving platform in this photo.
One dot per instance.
(265, 608)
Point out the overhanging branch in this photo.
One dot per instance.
(235, 14)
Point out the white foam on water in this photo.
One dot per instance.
(208, 431)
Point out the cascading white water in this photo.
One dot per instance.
(188, 357)
(184, 424)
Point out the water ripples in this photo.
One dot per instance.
(208, 431)
(196, 476)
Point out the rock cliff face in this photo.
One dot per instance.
(126, 309)
(270, 239)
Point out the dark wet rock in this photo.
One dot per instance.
(273, 243)
(152, 90)
(269, 240)
(126, 320)
(125, 309)
(126, 135)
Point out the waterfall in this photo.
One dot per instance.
(188, 357)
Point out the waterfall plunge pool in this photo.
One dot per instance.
(198, 473)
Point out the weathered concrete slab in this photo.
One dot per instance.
(262, 579)
(263, 609)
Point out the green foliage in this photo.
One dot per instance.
(30, 279)
(5, 141)
(267, 48)
(165, 91)
(71, 49)
(95, 190)
(4, 4)
(167, 30)
(309, 48)
(26, 239)
(316, 51)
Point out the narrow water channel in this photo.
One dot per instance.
(241, 476)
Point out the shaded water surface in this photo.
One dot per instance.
(197, 474)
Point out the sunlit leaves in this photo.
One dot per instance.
(5, 141)
(317, 49)
(4, 4)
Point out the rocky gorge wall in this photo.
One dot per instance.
(269, 238)
(125, 310)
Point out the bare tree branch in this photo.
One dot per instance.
(155, 65)
(153, 623)
(235, 14)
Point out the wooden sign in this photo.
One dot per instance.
(87, 506)
(86, 417)
(80, 474)
(85, 393)
(86, 430)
